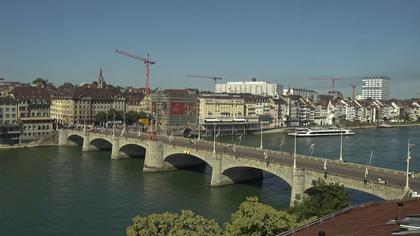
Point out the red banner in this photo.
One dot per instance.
(177, 108)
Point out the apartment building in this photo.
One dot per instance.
(79, 105)
(376, 87)
(254, 87)
(33, 112)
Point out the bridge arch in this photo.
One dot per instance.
(133, 150)
(74, 139)
(101, 143)
(382, 191)
(182, 160)
(283, 172)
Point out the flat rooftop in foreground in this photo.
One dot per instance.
(372, 219)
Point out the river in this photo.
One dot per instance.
(63, 191)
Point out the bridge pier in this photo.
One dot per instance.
(298, 185)
(87, 147)
(154, 159)
(62, 137)
(217, 177)
(116, 154)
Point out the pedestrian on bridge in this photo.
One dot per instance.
(325, 169)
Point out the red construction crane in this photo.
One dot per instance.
(354, 89)
(146, 61)
(206, 77)
(332, 81)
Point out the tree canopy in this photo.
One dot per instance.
(186, 223)
(323, 199)
(255, 218)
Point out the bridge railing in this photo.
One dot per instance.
(281, 153)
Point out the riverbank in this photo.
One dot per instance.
(393, 126)
(47, 141)
(27, 145)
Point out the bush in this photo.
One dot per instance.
(186, 223)
(255, 218)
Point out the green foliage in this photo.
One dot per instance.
(186, 223)
(132, 117)
(100, 117)
(40, 80)
(118, 114)
(324, 199)
(255, 218)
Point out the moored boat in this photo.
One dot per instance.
(306, 132)
(384, 125)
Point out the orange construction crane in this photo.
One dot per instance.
(354, 90)
(206, 77)
(146, 61)
(332, 81)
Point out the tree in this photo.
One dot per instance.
(132, 117)
(255, 218)
(118, 114)
(186, 223)
(40, 82)
(324, 199)
(100, 117)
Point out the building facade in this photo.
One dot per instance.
(175, 109)
(79, 105)
(376, 87)
(33, 112)
(253, 87)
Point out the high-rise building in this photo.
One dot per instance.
(253, 87)
(376, 87)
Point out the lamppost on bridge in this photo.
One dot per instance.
(294, 153)
(407, 180)
(261, 139)
(341, 145)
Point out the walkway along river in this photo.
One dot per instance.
(50, 191)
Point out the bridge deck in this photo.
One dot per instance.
(349, 170)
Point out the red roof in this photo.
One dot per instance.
(365, 221)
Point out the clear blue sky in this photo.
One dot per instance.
(278, 41)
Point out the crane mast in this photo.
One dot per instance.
(146, 61)
(215, 79)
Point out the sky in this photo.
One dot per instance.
(283, 42)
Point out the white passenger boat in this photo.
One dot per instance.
(306, 132)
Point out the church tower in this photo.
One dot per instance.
(101, 81)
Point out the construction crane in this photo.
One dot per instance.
(206, 77)
(146, 61)
(332, 81)
(354, 91)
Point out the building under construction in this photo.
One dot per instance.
(175, 110)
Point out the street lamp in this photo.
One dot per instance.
(341, 145)
(294, 153)
(261, 140)
(407, 183)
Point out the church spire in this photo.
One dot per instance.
(101, 81)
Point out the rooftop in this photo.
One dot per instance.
(372, 219)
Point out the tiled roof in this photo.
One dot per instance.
(27, 92)
(79, 92)
(372, 219)
(8, 100)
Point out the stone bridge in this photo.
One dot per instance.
(245, 163)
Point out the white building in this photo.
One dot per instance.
(261, 88)
(375, 87)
